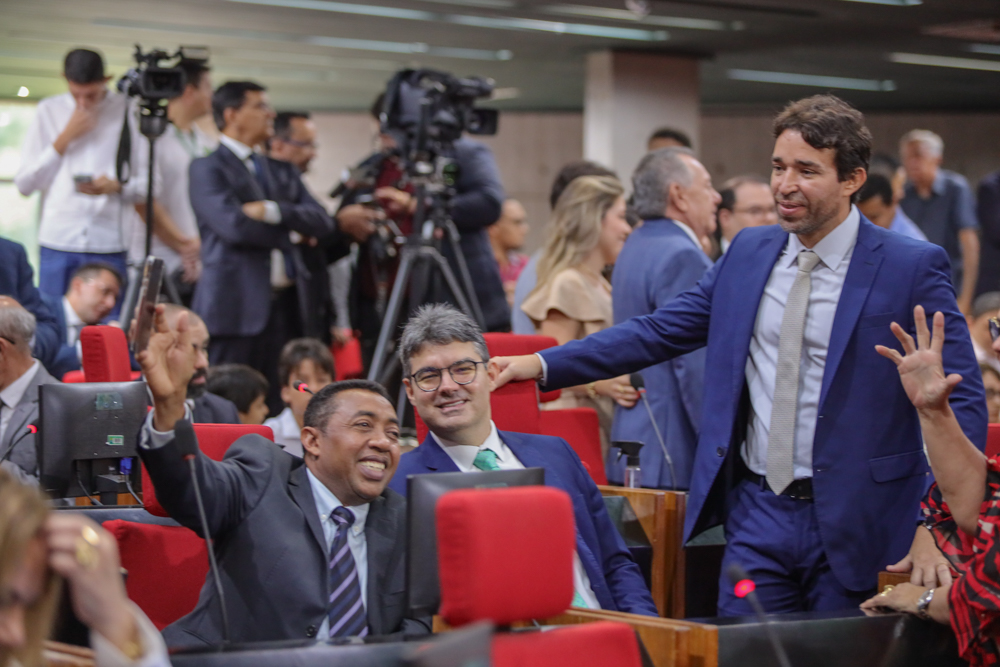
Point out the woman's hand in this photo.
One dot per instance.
(619, 390)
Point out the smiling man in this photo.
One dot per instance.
(308, 548)
(810, 453)
(448, 381)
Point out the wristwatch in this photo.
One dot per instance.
(924, 602)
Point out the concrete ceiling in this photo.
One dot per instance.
(323, 55)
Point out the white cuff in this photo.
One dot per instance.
(545, 370)
(272, 213)
(154, 650)
(150, 438)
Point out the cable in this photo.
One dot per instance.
(79, 481)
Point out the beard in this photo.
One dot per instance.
(196, 390)
(817, 215)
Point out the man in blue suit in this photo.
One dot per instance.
(663, 257)
(810, 453)
(17, 285)
(441, 351)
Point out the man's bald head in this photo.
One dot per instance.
(199, 339)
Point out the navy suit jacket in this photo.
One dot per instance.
(211, 408)
(66, 358)
(658, 262)
(614, 576)
(869, 468)
(16, 281)
(233, 295)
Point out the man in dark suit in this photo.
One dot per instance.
(249, 209)
(20, 377)
(17, 285)
(810, 453)
(308, 548)
(441, 351)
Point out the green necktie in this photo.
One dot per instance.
(486, 460)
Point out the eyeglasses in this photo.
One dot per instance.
(995, 327)
(462, 372)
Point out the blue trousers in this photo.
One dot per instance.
(777, 541)
(56, 268)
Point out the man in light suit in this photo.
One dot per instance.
(816, 470)
(20, 377)
(441, 351)
(248, 207)
(673, 194)
(308, 548)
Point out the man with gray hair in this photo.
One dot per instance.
(941, 203)
(20, 377)
(448, 380)
(661, 259)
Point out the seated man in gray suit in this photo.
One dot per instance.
(20, 377)
(307, 547)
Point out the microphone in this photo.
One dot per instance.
(188, 444)
(744, 587)
(303, 387)
(640, 386)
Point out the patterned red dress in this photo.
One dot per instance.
(975, 596)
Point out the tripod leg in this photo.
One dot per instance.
(449, 279)
(391, 319)
(465, 276)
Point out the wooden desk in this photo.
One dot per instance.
(56, 654)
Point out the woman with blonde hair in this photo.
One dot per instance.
(572, 298)
(38, 550)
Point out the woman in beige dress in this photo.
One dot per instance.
(572, 298)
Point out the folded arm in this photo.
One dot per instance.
(218, 208)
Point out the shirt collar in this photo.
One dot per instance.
(241, 150)
(687, 230)
(14, 392)
(72, 319)
(464, 455)
(326, 502)
(834, 247)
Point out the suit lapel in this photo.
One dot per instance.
(245, 181)
(298, 482)
(433, 457)
(865, 262)
(381, 539)
(22, 412)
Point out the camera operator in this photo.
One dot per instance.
(476, 205)
(69, 154)
(175, 231)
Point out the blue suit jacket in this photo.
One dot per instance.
(66, 358)
(16, 281)
(233, 295)
(869, 469)
(658, 262)
(614, 576)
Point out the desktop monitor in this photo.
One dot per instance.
(85, 430)
(423, 586)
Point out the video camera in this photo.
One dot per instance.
(153, 81)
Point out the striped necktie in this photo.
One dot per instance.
(347, 610)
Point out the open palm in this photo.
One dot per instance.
(169, 358)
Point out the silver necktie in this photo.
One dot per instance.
(781, 436)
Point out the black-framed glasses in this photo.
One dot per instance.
(995, 327)
(462, 372)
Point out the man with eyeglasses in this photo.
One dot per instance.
(746, 202)
(448, 381)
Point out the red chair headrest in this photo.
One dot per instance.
(505, 554)
(105, 354)
(587, 645)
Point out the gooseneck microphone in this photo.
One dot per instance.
(188, 444)
(640, 386)
(744, 587)
(303, 387)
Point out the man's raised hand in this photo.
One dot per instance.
(168, 365)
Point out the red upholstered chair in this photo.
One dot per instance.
(105, 354)
(157, 555)
(214, 441)
(74, 377)
(347, 362)
(506, 555)
(992, 440)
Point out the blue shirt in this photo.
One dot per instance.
(948, 210)
(901, 224)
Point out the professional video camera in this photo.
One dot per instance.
(151, 80)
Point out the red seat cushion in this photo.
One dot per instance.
(105, 354)
(74, 376)
(214, 441)
(505, 554)
(599, 644)
(166, 568)
(581, 428)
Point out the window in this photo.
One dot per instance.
(18, 215)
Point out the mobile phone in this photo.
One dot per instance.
(80, 179)
(145, 310)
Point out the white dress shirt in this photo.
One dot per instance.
(688, 231)
(465, 455)
(326, 502)
(12, 395)
(827, 281)
(286, 432)
(71, 221)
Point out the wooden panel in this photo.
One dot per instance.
(891, 579)
(56, 654)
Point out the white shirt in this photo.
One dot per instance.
(286, 432)
(326, 502)
(687, 230)
(71, 221)
(175, 151)
(827, 281)
(74, 325)
(464, 455)
(12, 395)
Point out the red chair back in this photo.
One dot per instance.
(214, 441)
(105, 354)
(512, 345)
(581, 428)
(505, 554)
(992, 440)
(588, 645)
(166, 568)
(347, 362)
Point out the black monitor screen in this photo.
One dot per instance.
(422, 493)
(84, 429)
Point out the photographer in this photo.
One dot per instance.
(476, 205)
(70, 155)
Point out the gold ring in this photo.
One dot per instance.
(86, 548)
(885, 591)
(91, 536)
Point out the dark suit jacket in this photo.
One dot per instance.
(210, 408)
(17, 447)
(16, 281)
(66, 358)
(272, 553)
(614, 576)
(988, 212)
(233, 295)
(869, 468)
